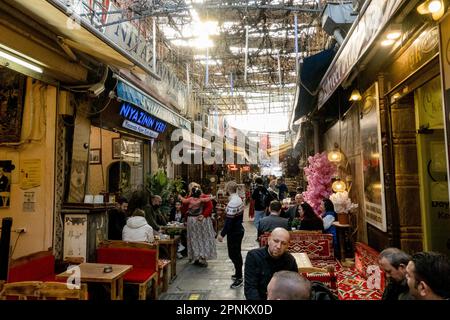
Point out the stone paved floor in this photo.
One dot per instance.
(215, 280)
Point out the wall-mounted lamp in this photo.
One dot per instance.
(355, 96)
(435, 7)
(338, 185)
(20, 61)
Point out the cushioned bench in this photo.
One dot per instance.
(361, 281)
(39, 266)
(144, 262)
(163, 264)
(319, 248)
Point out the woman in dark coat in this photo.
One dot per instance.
(309, 220)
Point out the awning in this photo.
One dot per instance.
(56, 15)
(312, 71)
(126, 91)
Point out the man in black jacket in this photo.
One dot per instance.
(117, 218)
(262, 263)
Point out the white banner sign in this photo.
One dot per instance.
(367, 28)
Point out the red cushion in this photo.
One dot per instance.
(138, 275)
(366, 256)
(35, 270)
(138, 258)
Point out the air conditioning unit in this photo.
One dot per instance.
(65, 106)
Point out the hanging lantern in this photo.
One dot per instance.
(334, 156)
(355, 96)
(339, 186)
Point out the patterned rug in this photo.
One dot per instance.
(189, 295)
(351, 286)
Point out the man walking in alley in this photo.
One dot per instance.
(262, 199)
(262, 263)
(235, 231)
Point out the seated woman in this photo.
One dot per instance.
(137, 228)
(328, 217)
(309, 219)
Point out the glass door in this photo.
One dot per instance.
(432, 164)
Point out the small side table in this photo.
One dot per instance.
(341, 230)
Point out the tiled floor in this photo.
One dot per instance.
(215, 280)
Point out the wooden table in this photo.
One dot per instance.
(93, 272)
(341, 230)
(172, 246)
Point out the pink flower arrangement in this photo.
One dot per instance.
(319, 174)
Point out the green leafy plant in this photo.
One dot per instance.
(159, 184)
(295, 223)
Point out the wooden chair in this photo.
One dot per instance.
(119, 244)
(40, 290)
(60, 291)
(22, 290)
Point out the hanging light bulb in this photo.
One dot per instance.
(335, 155)
(435, 7)
(338, 185)
(355, 96)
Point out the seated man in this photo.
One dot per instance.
(428, 276)
(288, 285)
(272, 221)
(393, 262)
(262, 263)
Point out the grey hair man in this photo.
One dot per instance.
(393, 262)
(288, 285)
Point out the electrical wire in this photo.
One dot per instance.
(15, 244)
(107, 104)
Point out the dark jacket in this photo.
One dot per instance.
(397, 291)
(116, 221)
(262, 198)
(259, 268)
(311, 224)
(267, 224)
(154, 217)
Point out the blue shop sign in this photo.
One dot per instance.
(134, 115)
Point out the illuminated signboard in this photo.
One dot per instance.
(232, 167)
(140, 121)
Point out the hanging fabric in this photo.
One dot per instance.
(296, 44)
(246, 53)
(154, 44)
(207, 67)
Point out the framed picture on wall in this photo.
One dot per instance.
(5, 183)
(12, 91)
(95, 156)
(116, 148)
